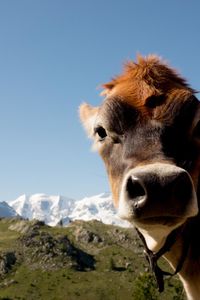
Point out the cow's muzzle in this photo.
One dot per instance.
(157, 191)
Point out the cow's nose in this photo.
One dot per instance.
(143, 187)
(157, 190)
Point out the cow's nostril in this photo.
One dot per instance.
(135, 189)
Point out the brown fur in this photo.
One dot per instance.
(146, 78)
(150, 76)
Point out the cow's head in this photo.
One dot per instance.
(147, 132)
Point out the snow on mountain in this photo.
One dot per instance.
(98, 207)
(6, 210)
(53, 209)
(50, 209)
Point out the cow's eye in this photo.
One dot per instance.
(101, 132)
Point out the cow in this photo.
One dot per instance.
(147, 131)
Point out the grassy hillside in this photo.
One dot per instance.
(86, 260)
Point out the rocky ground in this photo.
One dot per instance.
(86, 260)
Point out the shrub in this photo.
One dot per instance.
(145, 287)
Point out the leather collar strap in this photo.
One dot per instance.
(154, 257)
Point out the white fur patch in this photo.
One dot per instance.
(155, 235)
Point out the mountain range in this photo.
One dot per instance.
(57, 209)
(6, 210)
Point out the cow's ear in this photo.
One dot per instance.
(196, 126)
(88, 115)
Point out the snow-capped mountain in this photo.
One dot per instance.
(53, 209)
(6, 210)
(50, 209)
(99, 207)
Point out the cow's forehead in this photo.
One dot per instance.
(120, 109)
(130, 92)
(117, 114)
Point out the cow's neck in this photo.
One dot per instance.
(190, 272)
(191, 282)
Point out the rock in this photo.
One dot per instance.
(24, 226)
(7, 283)
(21, 226)
(49, 252)
(86, 236)
(7, 260)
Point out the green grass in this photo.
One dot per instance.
(119, 270)
(7, 237)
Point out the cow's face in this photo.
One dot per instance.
(147, 132)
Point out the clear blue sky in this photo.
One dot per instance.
(53, 55)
